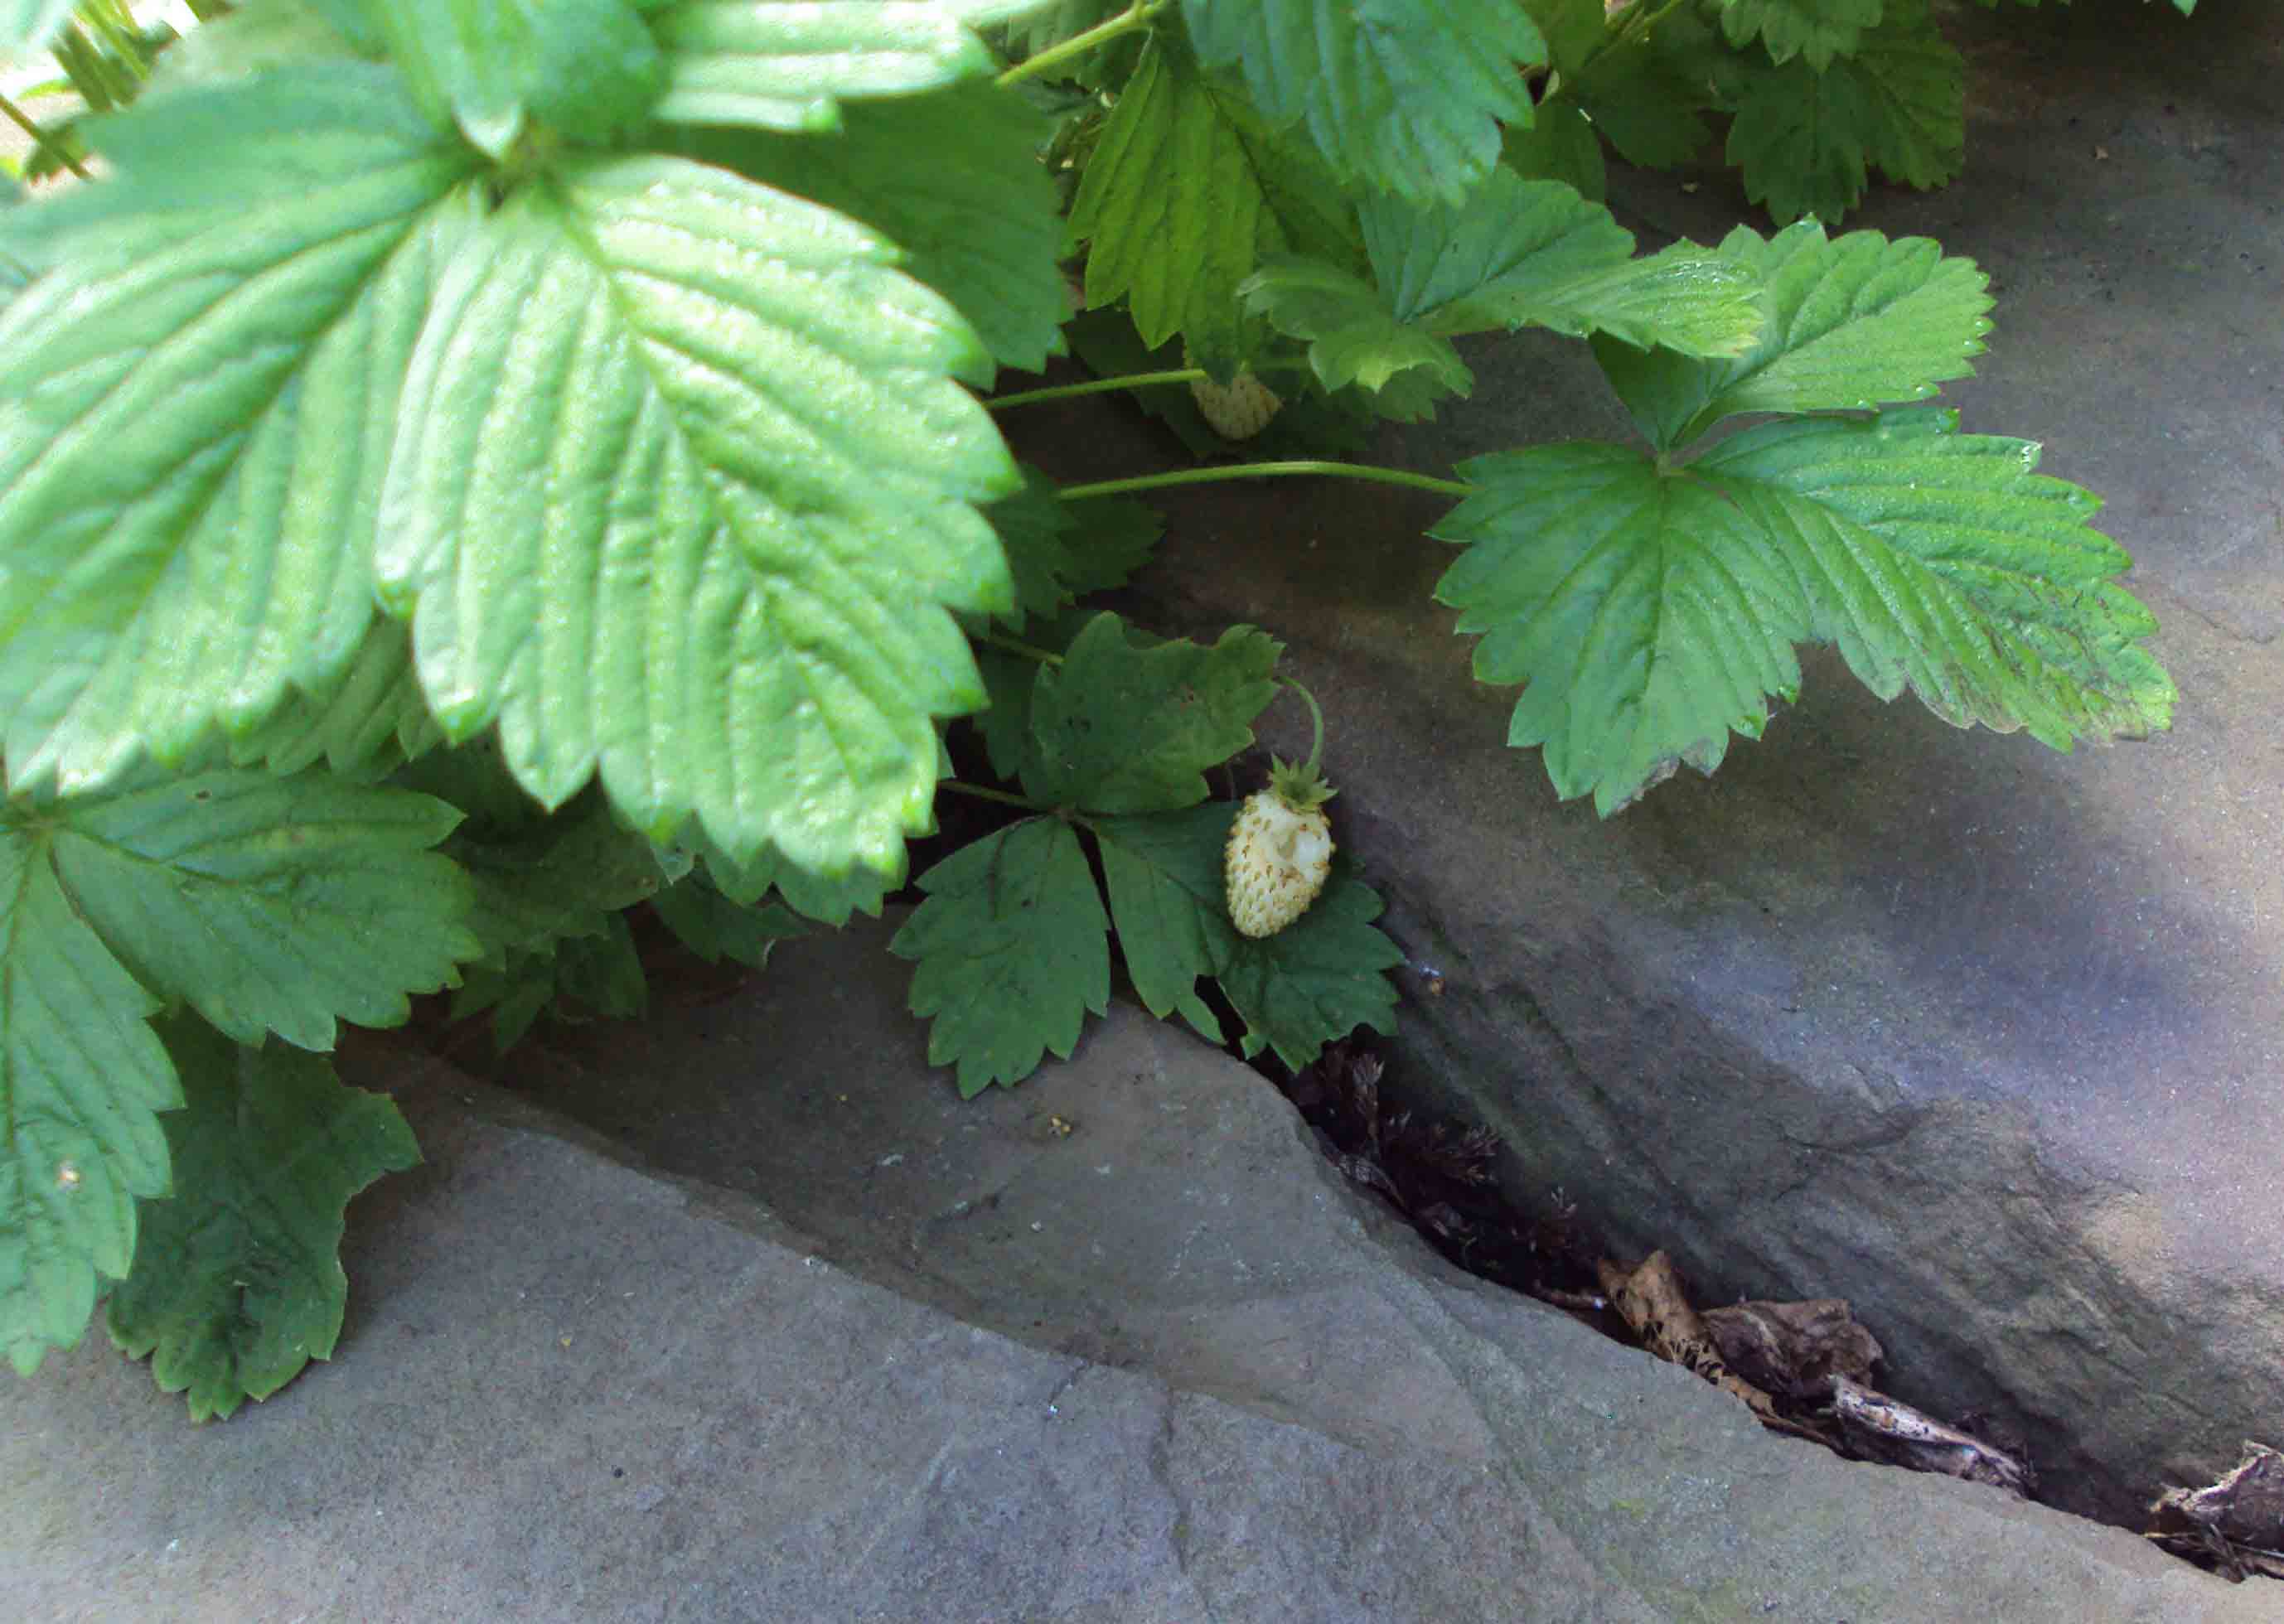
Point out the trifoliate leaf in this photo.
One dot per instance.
(954, 179)
(715, 928)
(1125, 727)
(1534, 253)
(366, 721)
(1650, 613)
(567, 875)
(1012, 954)
(82, 1080)
(1316, 979)
(495, 69)
(270, 904)
(238, 1282)
(1815, 30)
(196, 407)
(714, 562)
(1185, 192)
(1854, 322)
(1559, 144)
(1803, 137)
(1407, 95)
(781, 65)
(1354, 338)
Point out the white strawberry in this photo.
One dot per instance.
(1281, 847)
(1238, 409)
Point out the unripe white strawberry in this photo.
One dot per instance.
(1238, 409)
(1281, 847)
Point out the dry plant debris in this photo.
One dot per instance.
(2235, 1522)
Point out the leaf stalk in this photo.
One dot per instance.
(1269, 471)
(1135, 16)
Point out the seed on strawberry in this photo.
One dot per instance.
(1238, 409)
(1280, 848)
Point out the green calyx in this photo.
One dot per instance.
(1302, 788)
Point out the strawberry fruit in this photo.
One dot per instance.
(1238, 409)
(1280, 848)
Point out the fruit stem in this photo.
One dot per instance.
(1266, 471)
(1317, 716)
(1135, 16)
(982, 793)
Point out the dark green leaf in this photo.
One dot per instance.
(238, 1282)
(1407, 95)
(1817, 30)
(568, 876)
(1318, 978)
(1559, 144)
(715, 928)
(1122, 728)
(1012, 953)
(1164, 872)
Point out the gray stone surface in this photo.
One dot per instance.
(1230, 1389)
(1981, 1036)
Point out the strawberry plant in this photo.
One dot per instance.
(468, 471)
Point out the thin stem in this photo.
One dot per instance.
(1135, 16)
(1267, 470)
(40, 137)
(999, 640)
(982, 794)
(1096, 386)
(1316, 740)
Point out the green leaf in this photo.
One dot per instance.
(253, 38)
(1650, 614)
(600, 977)
(1559, 144)
(567, 875)
(1032, 526)
(493, 68)
(1011, 952)
(196, 405)
(271, 904)
(1354, 339)
(1854, 322)
(1111, 539)
(1534, 253)
(780, 65)
(1316, 979)
(1642, 102)
(1184, 191)
(82, 1080)
(1803, 139)
(1164, 871)
(366, 721)
(954, 179)
(813, 896)
(1815, 30)
(715, 928)
(1121, 727)
(1407, 95)
(238, 1282)
(714, 562)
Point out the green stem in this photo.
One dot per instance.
(1266, 471)
(1135, 16)
(999, 640)
(1095, 385)
(1316, 715)
(40, 137)
(982, 793)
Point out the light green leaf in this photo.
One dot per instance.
(1354, 339)
(789, 64)
(493, 68)
(715, 928)
(1121, 727)
(1012, 953)
(196, 405)
(1534, 253)
(715, 558)
(954, 179)
(1407, 95)
(249, 39)
(238, 1282)
(1185, 192)
(367, 721)
(1943, 563)
(271, 904)
(1815, 30)
(82, 1080)
(1650, 614)
(1854, 322)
